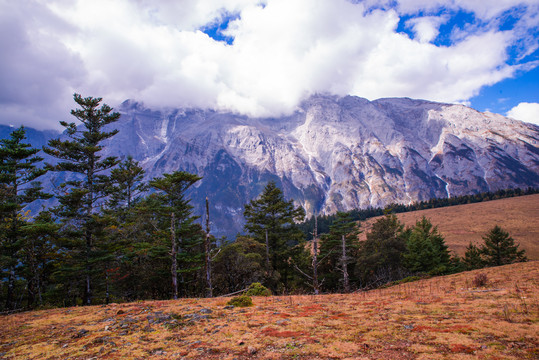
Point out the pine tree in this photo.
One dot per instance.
(40, 256)
(380, 256)
(122, 228)
(86, 191)
(145, 267)
(500, 248)
(207, 252)
(128, 185)
(18, 188)
(238, 264)
(271, 220)
(184, 234)
(338, 250)
(426, 249)
(472, 257)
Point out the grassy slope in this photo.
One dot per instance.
(464, 223)
(439, 318)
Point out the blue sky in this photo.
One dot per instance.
(262, 57)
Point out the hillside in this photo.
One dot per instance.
(438, 318)
(464, 223)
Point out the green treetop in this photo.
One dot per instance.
(87, 189)
(271, 220)
(500, 248)
(380, 256)
(427, 251)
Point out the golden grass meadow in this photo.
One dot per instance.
(461, 224)
(446, 317)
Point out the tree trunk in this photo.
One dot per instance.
(207, 252)
(107, 291)
(33, 276)
(315, 257)
(346, 281)
(10, 289)
(88, 287)
(173, 252)
(88, 232)
(268, 266)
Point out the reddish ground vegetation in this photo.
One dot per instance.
(438, 318)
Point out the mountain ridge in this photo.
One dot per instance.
(334, 153)
(338, 153)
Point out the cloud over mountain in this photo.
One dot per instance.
(278, 52)
(528, 112)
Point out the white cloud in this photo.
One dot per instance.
(426, 28)
(483, 9)
(283, 51)
(191, 14)
(528, 112)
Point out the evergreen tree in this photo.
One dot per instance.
(426, 249)
(338, 250)
(472, 258)
(271, 220)
(380, 256)
(122, 226)
(40, 256)
(238, 264)
(18, 188)
(184, 235)
(128, 185)
(86, 191)
(500, 248)
(145, 265)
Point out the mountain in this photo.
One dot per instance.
(334, 153)
(35, 137)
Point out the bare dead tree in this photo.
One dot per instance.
(268, 265)
(207, 250)
(316, 286)
(173, 252)
(344, 263)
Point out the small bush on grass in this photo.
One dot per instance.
(480, 280)
(257, 289)
(241, 301)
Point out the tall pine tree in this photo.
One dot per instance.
(271, 220)
(338, 252)
(85, 192)
(184, 233)
(380, 256)
(18, 171)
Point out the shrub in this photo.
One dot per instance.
(480, 280)
(257, 289)
(241, 301)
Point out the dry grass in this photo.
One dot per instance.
(438, 318)
(464, 223)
